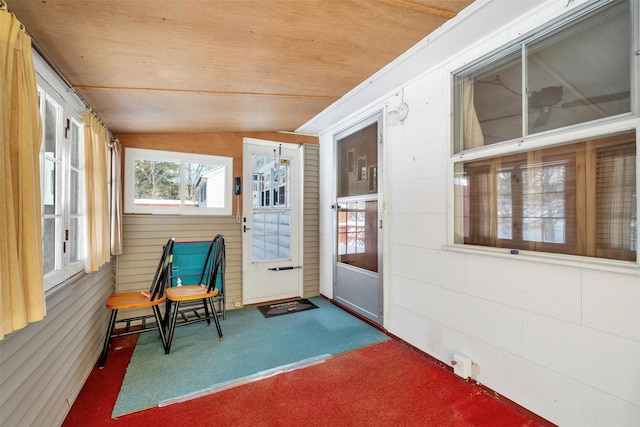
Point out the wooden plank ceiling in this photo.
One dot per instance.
(223, 65)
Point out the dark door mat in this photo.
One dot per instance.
(286, 307)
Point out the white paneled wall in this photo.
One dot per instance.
(605, 293)
(44, 365)
(311, 227)
(144, 236)
(562, 339)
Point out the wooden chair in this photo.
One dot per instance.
(205, 291)
(139, 300)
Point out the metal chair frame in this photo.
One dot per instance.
(205, 292)
(135, 300)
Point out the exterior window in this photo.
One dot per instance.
(62, 187)
(577, 199)
(577, 71)
(563, 180)
(164, 182)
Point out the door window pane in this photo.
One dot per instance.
(357, 154)
(271, 218)
(358, 234)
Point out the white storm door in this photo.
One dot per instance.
(271, 244)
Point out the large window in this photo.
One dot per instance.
(62, 183)
(566, 192)
(164, 182)
(576, 71)
(577, 199)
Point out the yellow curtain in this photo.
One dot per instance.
(21, 265)
(96, 146)
(116, 198)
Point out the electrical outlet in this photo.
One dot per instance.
(462, 365)
(237, 304)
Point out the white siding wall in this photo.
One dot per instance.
(143, 238)
(44, 365)
(311, 224)
(560, 340)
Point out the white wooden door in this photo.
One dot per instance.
(271, 244)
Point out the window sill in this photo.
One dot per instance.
(608, 265)
(52, 292)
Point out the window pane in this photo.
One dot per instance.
(49, 244)
(157, 183)
(50, 128)
(490, 101)
(505, 207)
(74, 194)
(475, 187)
(582, 72)
(76, 149)
(74, 242)
(548, 200)
(165, 182)
(49, 187)
(617, 223)
(204, 185)
(537, 200)
(579, 73)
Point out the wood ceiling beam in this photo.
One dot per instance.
(210, 92)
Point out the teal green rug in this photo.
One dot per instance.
(253, 347)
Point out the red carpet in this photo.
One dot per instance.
(385, 384)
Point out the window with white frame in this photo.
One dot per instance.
(62, 179)
(569, 194)
(165, 182)
(576, 71)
